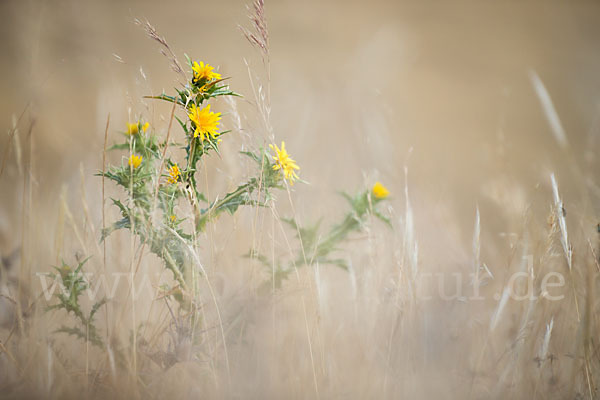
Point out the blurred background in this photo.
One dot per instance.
(467, 104)
(352, 83)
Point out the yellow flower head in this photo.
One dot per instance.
(172, 218)
(134, 129)
(380, 191)
(205, 121)
(174, 174)
(134, 161)
(284, 162)
(204, 72)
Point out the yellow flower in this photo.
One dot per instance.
(134, 129)
(174, 174)
(380, 191)
(203, 72)
(65, 271)
(172, 218)
(205, 121)
(284, 162)
(134, 161)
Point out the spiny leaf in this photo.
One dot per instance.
(254, 254)
(96, 307)
(183, 125)
(165, 97)
(336, 261)
(119, 146)
(252, 155)
(383, 218)
(71, 331)
(120, 224)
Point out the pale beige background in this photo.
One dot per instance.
(354, 85)
(359, 91)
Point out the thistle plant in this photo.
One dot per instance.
(74, 284)
(155, 184)
(316, 247)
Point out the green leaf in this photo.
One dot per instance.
(165, 97)
(120, 224)
(96, 307)
(254, 254)
(81, 264)
(189, 60)
(253, 156)
(337, 262)
(183, 125)
(72, 331)
(383, 218)
(119, 146)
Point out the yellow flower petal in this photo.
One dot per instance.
(380, 191)
(284, 162)
(206, 122)
(174, 174)
(134, 161)
(203, 72)
(134, 129)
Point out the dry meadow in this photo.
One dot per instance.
(472, 273)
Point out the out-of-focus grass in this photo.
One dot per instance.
(368, 84)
